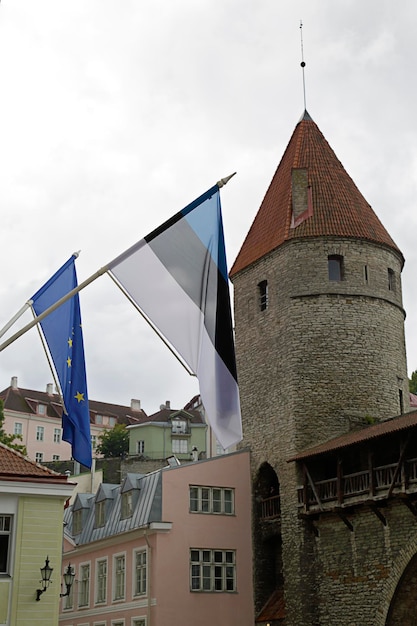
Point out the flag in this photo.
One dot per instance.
(63, 334)
(178, 277)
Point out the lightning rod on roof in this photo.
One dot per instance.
(303, 64)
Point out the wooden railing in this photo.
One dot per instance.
(270, 508)
(369, 483)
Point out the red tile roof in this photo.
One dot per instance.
(403, 422)
(274, 609)
(14, 466)
(339, 209)
(26, 401)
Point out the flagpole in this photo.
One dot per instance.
(154, 328)
(52, 308)
(16, 317)
(70, 294)
(51, 367)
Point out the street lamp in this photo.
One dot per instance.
(46, 572)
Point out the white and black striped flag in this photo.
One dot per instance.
(177, 276)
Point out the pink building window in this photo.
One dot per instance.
(213, 570)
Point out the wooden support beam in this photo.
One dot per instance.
(399, 465)
(379, 514)
(313, 487)
(411, 505)
(345, 521)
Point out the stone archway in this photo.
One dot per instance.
(267, 543)
(402, 611)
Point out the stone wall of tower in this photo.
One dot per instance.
(322, 358)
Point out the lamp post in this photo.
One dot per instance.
(69, 576)
(46, 572)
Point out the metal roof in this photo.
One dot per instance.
(386, 427)
(147, 508)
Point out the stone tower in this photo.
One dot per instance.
(320, 342)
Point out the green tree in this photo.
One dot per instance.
(114, 443)
(10, 440)
(412, 382)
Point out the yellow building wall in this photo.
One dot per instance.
(4, 599)
(38, 535)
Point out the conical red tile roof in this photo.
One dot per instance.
(338, 207)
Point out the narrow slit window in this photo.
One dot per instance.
(335, 267)
(263, 295)
(391, 279)
(365, 274)
(401, 399)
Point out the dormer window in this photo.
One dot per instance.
(263, 295)
(335, 267)
(179, 427)
(127, 505)
(77, 522)
(99, 514)
(42, 409)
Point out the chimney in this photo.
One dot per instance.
(135, 404)
(168, 404)
(13, 382)
(49, 389)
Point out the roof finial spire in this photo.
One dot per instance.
(303, 64)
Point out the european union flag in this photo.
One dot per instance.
(63, 334)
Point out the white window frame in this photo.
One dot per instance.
(119, 593)
(179, 426)
(68, 603)
(143, 567)
(179, 446)
(138, 621)
(100, 514)
(212, 500)
(40, 433)
(84, 584)
(126, 505)
(93, 442)
(140, 446)
(6, 530)
(57, 435)
(18, 428)
(77, 521)
(212, 570)
(39, 457)
(55, 457)
(42, 408)
(102, 599)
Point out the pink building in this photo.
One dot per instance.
(36, 416)
(169, 547)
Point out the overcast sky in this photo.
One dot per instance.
(115, 115)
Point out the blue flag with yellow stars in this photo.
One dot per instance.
(63, 334)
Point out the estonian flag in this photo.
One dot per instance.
(178, 276)
(63, 334)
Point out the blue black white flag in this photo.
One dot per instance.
(178, 277)
(63, 334)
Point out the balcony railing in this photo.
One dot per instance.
(270, 508)
(377, 482)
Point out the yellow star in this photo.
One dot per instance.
(69, 362)
(70, 342)
(79, 396)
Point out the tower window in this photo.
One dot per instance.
(263, 294)
(335, 267)
(365, 274)
(401, 399)
(391, 279)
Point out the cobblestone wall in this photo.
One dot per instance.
(324, 357)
